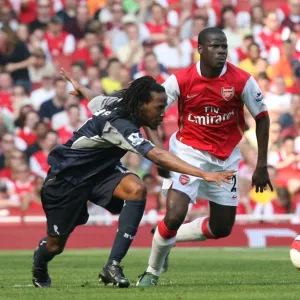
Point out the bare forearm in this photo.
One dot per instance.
(262, 135)
(87, 93)
(171, 162)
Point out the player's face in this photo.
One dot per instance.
(214, 51)
(153, 112)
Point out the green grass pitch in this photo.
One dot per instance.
(196, 273)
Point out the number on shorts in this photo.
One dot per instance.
(233, 190)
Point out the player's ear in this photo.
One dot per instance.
(200, 48)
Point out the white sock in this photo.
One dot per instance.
(191, 231)
(160, 249)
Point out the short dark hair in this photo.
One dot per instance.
(56, 80)
(133, 97)
(287, 138)
(203, 35)
(253, 44)
(111, 61)
(79, 63)
(149, 54)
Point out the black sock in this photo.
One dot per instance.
(129, 221)
(42, 255)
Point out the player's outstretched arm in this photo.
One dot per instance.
(79, 89)
(172, 162)
(153, 136)
(260, 177)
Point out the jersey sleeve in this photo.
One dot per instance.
(172, 89)
(125, 135)
(98, 102)
(253, 99)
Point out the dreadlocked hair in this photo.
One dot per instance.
(133, 97)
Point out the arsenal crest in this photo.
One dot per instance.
(184, 179)
(227, 93)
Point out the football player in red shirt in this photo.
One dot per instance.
(211, 96)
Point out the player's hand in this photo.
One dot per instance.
(219, 177)
(75, 84)
(261, 180)
(163, 172)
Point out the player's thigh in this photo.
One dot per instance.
(112, 187)
(65, 205)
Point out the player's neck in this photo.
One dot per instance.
(209, 72)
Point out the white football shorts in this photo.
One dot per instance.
(197, 187)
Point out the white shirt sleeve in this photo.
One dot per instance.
(173, 18)
(253, 98)
(36, 167)
(69, 46)
(98, 102)
(172, 89)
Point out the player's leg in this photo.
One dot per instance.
(120, 186)
(48, 247)
(134, 191)
(223, 202)
(165, 236)
(65, 206)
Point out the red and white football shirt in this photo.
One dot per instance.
(38, 163)
(211, 110)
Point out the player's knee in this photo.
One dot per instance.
(55, 249)
(138, 192)
(173, 222)
(221, 232)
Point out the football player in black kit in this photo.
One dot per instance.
(88, 168)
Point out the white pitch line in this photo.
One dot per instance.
(21, 285)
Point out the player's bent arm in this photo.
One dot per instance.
(262, 135)
(172, 162)
(86, 93)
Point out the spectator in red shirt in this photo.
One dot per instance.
(6, 89)
(38, 161)
(89, 40)
(27, 133)
(282, 204)
(23, 179)
(40, 129)
(271, 37)
(152, 68)
(57, 41)
(31, 203)
(43, 15)
(156, 23)
(27, 11)
(240, 53)
(74, 122)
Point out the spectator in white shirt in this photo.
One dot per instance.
(173, 53)
(44, 93)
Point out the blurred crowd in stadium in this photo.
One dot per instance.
(105, 44)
